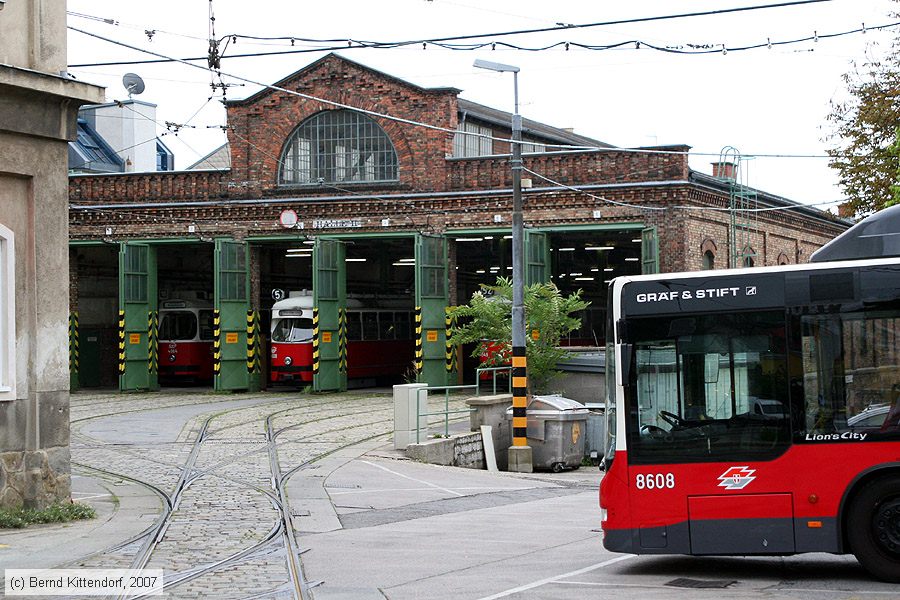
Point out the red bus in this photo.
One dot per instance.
(755, 411)
(380, 341)
(185, 341)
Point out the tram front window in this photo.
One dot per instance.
(293, 330)
(180, 325)
(713, 387)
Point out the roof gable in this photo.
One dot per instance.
(336, 60)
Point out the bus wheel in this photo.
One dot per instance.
(874, 528)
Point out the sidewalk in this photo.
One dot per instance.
(124, 510)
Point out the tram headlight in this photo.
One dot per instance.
(287, 361)
(171, 358)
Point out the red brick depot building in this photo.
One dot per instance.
(337, 198)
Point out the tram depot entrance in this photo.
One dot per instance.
(381, 302)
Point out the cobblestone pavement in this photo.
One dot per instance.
(219, 532)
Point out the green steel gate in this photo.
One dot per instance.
(432, 298)
(649, 251)
(232, 301)
(329, 302)
(138, 318)
(537, 257)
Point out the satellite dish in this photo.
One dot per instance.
(133, 83)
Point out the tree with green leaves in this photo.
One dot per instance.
(487, 322)
(865, 147)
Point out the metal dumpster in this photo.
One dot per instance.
(595, 432)
(556, 431)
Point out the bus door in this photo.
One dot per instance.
(138, 350)
(432, 298)
(330, 302)
(709, 414)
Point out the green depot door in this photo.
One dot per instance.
(329, 300)
(649, 251)
(537, 257)
(432, 299)
(138, 365)
(232, 300)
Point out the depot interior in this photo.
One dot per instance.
(379, 271)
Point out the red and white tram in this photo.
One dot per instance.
(185, 341)
(380, 341)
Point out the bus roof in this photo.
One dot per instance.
(876, 236)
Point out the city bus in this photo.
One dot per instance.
(755, 411)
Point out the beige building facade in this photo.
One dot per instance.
(38, 104)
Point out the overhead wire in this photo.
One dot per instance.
(351, 43)
(412, 122)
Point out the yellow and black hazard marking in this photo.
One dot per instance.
(251, 342)
(420, 357)
(153, 342)
(520, 396)
(342, 340)
(450, 358)
(315, 341)
(74, 349)
(217, 341)
(121, 342)
(257, 342)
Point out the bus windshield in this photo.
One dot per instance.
(709, 387)
(178, 325)
(293, 330)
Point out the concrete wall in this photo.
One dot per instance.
(37, 117)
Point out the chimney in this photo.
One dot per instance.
(724, 170)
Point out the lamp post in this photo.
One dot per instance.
(520, 457)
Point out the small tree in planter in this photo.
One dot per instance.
(487, 322)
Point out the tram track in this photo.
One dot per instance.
(215, 432)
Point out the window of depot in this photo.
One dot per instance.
(338, 146)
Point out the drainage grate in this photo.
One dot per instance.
(683, 582)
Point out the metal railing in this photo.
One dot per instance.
(494, 372)
(447, 389)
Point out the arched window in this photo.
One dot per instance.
(708, 250)
(337, 146)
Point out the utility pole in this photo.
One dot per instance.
(520, 455)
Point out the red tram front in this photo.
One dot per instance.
(185, 341)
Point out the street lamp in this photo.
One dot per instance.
(519, 453)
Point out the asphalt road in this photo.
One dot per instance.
(196, 470)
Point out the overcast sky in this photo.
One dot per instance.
(762, 102)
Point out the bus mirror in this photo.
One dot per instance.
(623, 373)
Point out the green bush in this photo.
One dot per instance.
(487, 322)
(17, 518)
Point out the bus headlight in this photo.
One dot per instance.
(287, 361)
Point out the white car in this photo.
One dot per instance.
(871, 418)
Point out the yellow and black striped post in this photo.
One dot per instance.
(450, 355)
(315, 359)
(121, 342)
(342, 339)
(420, 357)
(520, 396)
(251, 344)
(73, 343)
(257, 343)
(217, 342)
(152, 342)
